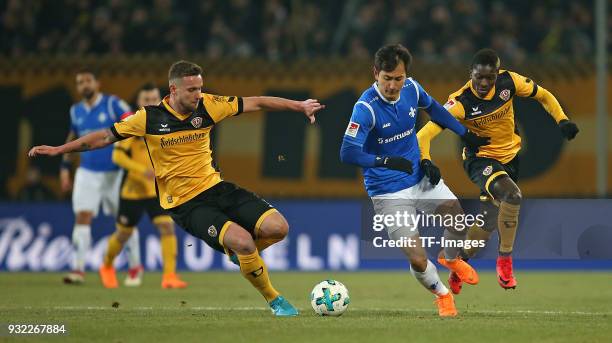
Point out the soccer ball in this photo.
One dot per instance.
(329, 298)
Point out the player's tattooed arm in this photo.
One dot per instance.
(68, 158)
(91, 141)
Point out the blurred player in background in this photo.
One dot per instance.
(137, 195)
(228, 218)
(96, 181)
(484, 105)
(381, 138)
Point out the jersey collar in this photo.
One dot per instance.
(95, 103)
(171, 110)
(385, 99)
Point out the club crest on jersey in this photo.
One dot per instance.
(196, 122)
(212, 231)
(487, 171)
(352, 129)
(505, 95)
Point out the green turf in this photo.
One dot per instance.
(385, 307)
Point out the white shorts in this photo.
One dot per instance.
(421, 197)
(94, 188)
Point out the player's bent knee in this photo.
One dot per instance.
(274, 226)
(514, 197)
(239, 240)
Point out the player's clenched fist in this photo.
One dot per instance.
(44, 150)
(310, 107)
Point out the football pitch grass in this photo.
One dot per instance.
(385, 307)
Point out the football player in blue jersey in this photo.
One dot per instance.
(97, 178)
(381, 138)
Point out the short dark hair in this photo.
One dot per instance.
(149, 86)
(183, 68)
(389, 56)
(87, 70)
(487, 57)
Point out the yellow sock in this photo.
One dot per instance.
(262, 243)
(254, 269)
(168, 250)
(113, 249)
(476, 233)
(507, 224)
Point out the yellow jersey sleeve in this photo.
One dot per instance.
(431, 129)
(525, 87)
(455, 108)
(121, 157)
(220, 107)
(134, 125)
(425, 135)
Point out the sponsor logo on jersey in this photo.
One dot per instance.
(480, 122)
(395, 137)
(385, 125)
(352, 129)
(166, 142)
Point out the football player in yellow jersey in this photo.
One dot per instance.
(484, 106)
(137, 196)
(176, 132)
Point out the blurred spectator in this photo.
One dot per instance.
(34, 190)
(281, 29)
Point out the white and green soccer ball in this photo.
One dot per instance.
(329, 298)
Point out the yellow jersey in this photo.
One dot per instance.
(179, 145)
(493, 115)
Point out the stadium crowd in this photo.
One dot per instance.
(286, 29)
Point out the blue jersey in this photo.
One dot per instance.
(84, 119)
(387, 128)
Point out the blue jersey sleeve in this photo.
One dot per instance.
(437, 112)
(362, 121)
(119, 107)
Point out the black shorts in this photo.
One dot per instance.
(483, 171)
(208, 215)
(130, 211)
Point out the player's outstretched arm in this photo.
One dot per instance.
(525, 87)
(551, 105)
(95, 140)
(269, 103)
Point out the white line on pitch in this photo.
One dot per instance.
(402, 310)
